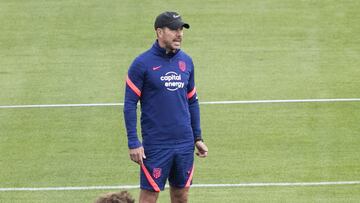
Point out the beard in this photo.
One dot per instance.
(173, 45)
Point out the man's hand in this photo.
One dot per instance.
(137, 155)
(202, 149)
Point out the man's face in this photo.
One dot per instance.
(170, 39)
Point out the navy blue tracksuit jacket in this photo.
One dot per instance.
(164, 84)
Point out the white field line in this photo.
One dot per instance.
(296, 184)
(59, 105)
(284, 101)
(209, 102)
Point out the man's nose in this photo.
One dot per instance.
(179, 32)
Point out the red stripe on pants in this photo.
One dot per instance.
(150, 179)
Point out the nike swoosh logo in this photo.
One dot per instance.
(176, 16)
(156, 67)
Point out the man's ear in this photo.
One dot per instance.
(159, 32)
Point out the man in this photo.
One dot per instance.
(162, 78)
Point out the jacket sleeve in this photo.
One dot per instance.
(133, 89)
(194, 105)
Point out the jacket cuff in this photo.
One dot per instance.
(198, 138)
(134, 144)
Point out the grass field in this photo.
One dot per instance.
(74, 52)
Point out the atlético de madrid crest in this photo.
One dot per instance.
(182, 66)
(156, 173)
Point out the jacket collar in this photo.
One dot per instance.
(162, 52)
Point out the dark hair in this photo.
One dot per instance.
(116, 197)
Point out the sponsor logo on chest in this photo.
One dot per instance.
(172, 81)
